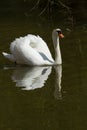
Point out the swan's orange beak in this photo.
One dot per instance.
(61, 35)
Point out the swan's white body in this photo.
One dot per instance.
(32, 50)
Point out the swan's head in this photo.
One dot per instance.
(58, 33)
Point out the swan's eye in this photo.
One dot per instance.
(59, 31)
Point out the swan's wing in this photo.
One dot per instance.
(37, 43)
(15, 42)
(31, 48)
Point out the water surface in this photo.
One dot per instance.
(44, 98)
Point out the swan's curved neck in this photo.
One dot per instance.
(58, 59)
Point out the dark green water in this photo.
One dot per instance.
(56, 97)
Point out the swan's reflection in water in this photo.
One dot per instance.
(58, 78)
(30, 78)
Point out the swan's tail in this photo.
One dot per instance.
(9, 56)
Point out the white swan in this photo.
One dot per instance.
(32, 50)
